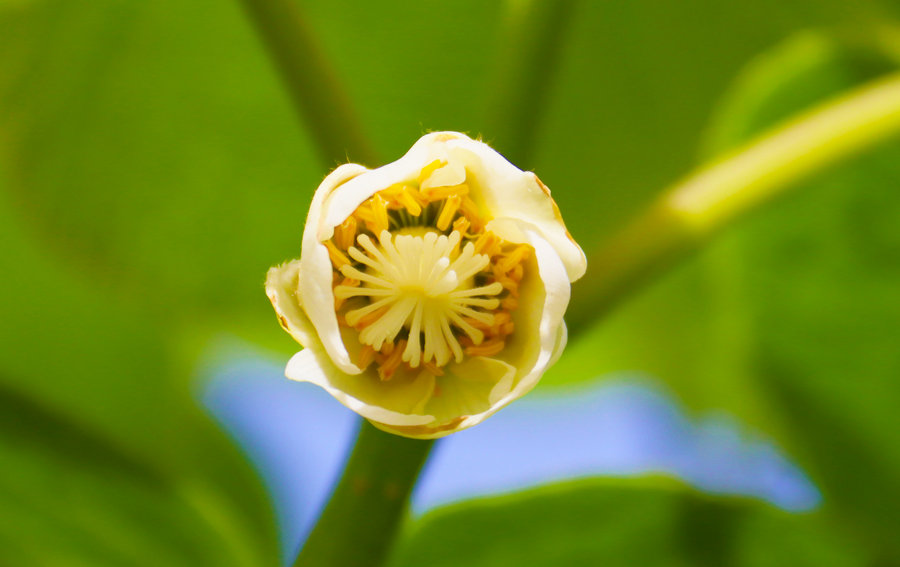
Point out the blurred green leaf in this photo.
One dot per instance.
(156, 137)
(819, 276)
(70, 497)
(790, 320)
(609, 522)
(106, 458)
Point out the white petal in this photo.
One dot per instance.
(406, 169)
(468, 388)
(540, 332)
(282, 288)
(387, 403)
(315, 285)
(509, 192)
(552, 307)
(561, 340)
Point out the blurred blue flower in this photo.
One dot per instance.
(297, 436)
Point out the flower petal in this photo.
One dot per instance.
(315, 285)
(385, 403)
(543, 314)
(404, 170)
(509, 192)
(471, 387)
(282, 287)
(540, 331)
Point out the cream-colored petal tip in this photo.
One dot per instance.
(308, 366)
(282, 290)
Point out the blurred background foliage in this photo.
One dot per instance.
(152, 169)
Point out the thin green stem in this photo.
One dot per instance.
(690, 213)
(360, 523)
(311, 81)
(531, 42)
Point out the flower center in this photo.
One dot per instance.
(421, 281)
(423, 284)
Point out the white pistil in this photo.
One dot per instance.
(424, 284)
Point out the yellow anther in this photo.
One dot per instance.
(389, 366)
(487, 348)
(451, 205)
(513, 258)
(480, 325)
(364, 213)
(488, 244)
(379, 214)
(369, 318)
(501, 318)
(407, 198)
(345, 233)
(366, 356)
(470, 209)
(439, 193)
(508, 328)
(509, 303)
(461, 225)
(433, 368)
(430, 168)
(507, 282)
(338, 258)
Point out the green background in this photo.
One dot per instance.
(152, 169)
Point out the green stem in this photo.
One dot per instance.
(314, 87)
(530, 45)
(361, 520)
(690, 213)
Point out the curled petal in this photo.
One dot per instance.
(430, 292)
(510, 193)
(315, 285)
(386, 403)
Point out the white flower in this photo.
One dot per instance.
(430, 292)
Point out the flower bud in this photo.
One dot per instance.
(430, 292)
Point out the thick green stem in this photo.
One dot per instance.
(690, 213)
(361, 520)
(314, 87)
(531, 41)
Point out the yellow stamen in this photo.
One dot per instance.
(487, 348)
(433, 368)
(440, 193)
(448, 211)
(470, 209)
(407, 198)
(426, 286)
(379, 214)
(366, 356)
(345, 233)
(429, 169)
(390, 364)
(488, 244)
(337, 257)
(368, 318)
(513, 258)
(461, 225)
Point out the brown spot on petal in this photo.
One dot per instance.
(283, 321)
(556, 211)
